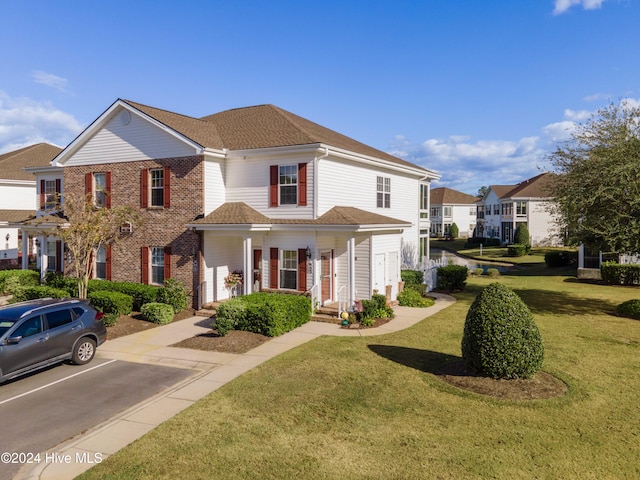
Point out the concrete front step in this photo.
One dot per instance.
(206, 312)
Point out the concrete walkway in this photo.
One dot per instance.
(214, 369)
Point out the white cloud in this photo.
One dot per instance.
(561, 6)
(597, 97)
(24, 121)
(50, 80)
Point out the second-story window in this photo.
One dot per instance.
(100, 189)
(383, 190)
(288, 184)
(424, 197)
(496, 209)
(435, 211)
(157, 187)
(50, 194)
(521, 208)
(446, 211)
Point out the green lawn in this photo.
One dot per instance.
(371, 408)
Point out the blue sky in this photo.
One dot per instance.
(479, 91)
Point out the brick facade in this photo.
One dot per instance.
(161, 226)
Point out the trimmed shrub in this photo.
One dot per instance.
(558, 258)
(411, 277)
(374, 308)
(454, 231)
(110, 319)
(10, 279)
(58, 280)
(421, 288)
(517, 250)
(629, 309)
(452, 277)
(501, 339)
(159, 313)
(492, 242)
(411, 298)
(493, 272)
(620, 274)
(521, 235)
(140, 293)
(478, 271)
(20, 294)
(269, 314)
(174, 294)
(111, 302)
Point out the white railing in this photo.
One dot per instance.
(430, 271)
(315, 298)
(629, 259)
(342, 299)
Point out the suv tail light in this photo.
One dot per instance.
(99, 316)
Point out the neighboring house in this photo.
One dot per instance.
(449, 206)
(504, 207)
(292, 205)
(18, 197)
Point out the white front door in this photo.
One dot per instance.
(393, 274)
(378, 274)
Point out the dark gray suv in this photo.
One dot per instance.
(38, 333)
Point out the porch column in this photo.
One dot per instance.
(247, 260)
(42, 256)
(25, 251)
(351, 270)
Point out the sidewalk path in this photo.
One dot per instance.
(214, 369)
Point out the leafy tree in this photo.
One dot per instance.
(597, 192)
(88, 228)
(454, 231)
(521, 234)
(482, 191)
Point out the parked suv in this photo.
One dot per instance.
(37, 333)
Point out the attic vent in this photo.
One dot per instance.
(125, 117)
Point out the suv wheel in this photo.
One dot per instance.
(84, 351)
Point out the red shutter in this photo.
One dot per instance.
(58, 191)
(167, 262)
(107, 181)
(302, 269)
(59, 259)
(273, 186)
(273, 268)
(167, 188)
(107, 249)
(302, 184)
(88, 184)
(145, 265)
(144, 188)
(42, 197)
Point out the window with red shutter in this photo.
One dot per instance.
(145, 265)
(273, 186)
(302, 269)
(273, 268)
(144, 188)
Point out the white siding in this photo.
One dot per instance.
(120, 142)
(18, 197)
(389, 245)
(541, 224)
(222, 254)
(214, 185)
(462, 217)
(247, 180)
(363, 271)
(8, 248)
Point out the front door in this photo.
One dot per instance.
(378, 279)
(326, 272)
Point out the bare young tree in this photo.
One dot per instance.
(87, 229)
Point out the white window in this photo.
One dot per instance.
(447, 211)
(101, 263)
(51, 256)
(472, 211)
(424, 197)
(157, 187)
(496, 209)
(435, 211)
(157, 265)
(521, 208)
(383, 189)
(288, 184)
(100, 189)
(289, 269)
(50, 194)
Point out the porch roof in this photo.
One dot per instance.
(44, 222)
(15, 216)
(240, 216)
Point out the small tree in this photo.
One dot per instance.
(521, 235)
(87, 229)
(454, 231)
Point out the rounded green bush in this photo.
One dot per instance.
(629, 309)
(501, 339)
(412, 298)
(159, 313)
(493, 272)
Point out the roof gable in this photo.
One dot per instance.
(535, 187)
(445, 195)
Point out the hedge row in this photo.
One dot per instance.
(412, 277)
(10, 279)
(21, 294)
(620, 274)
(452, 277)
(269, 314)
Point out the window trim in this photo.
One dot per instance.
(146, 187)
(383, 192)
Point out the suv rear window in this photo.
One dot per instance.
(59, 317)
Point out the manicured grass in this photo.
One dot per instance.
(496, 254)
(371, 407)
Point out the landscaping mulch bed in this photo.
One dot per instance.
(542, 386)
(235, 341)
(134, 323)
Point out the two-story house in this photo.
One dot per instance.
(18, 197)
(449, 206)
(291, 204)
(504, 207)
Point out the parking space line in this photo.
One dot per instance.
(57, 381)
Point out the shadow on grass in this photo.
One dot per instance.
(549, 301)
(423, 360)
